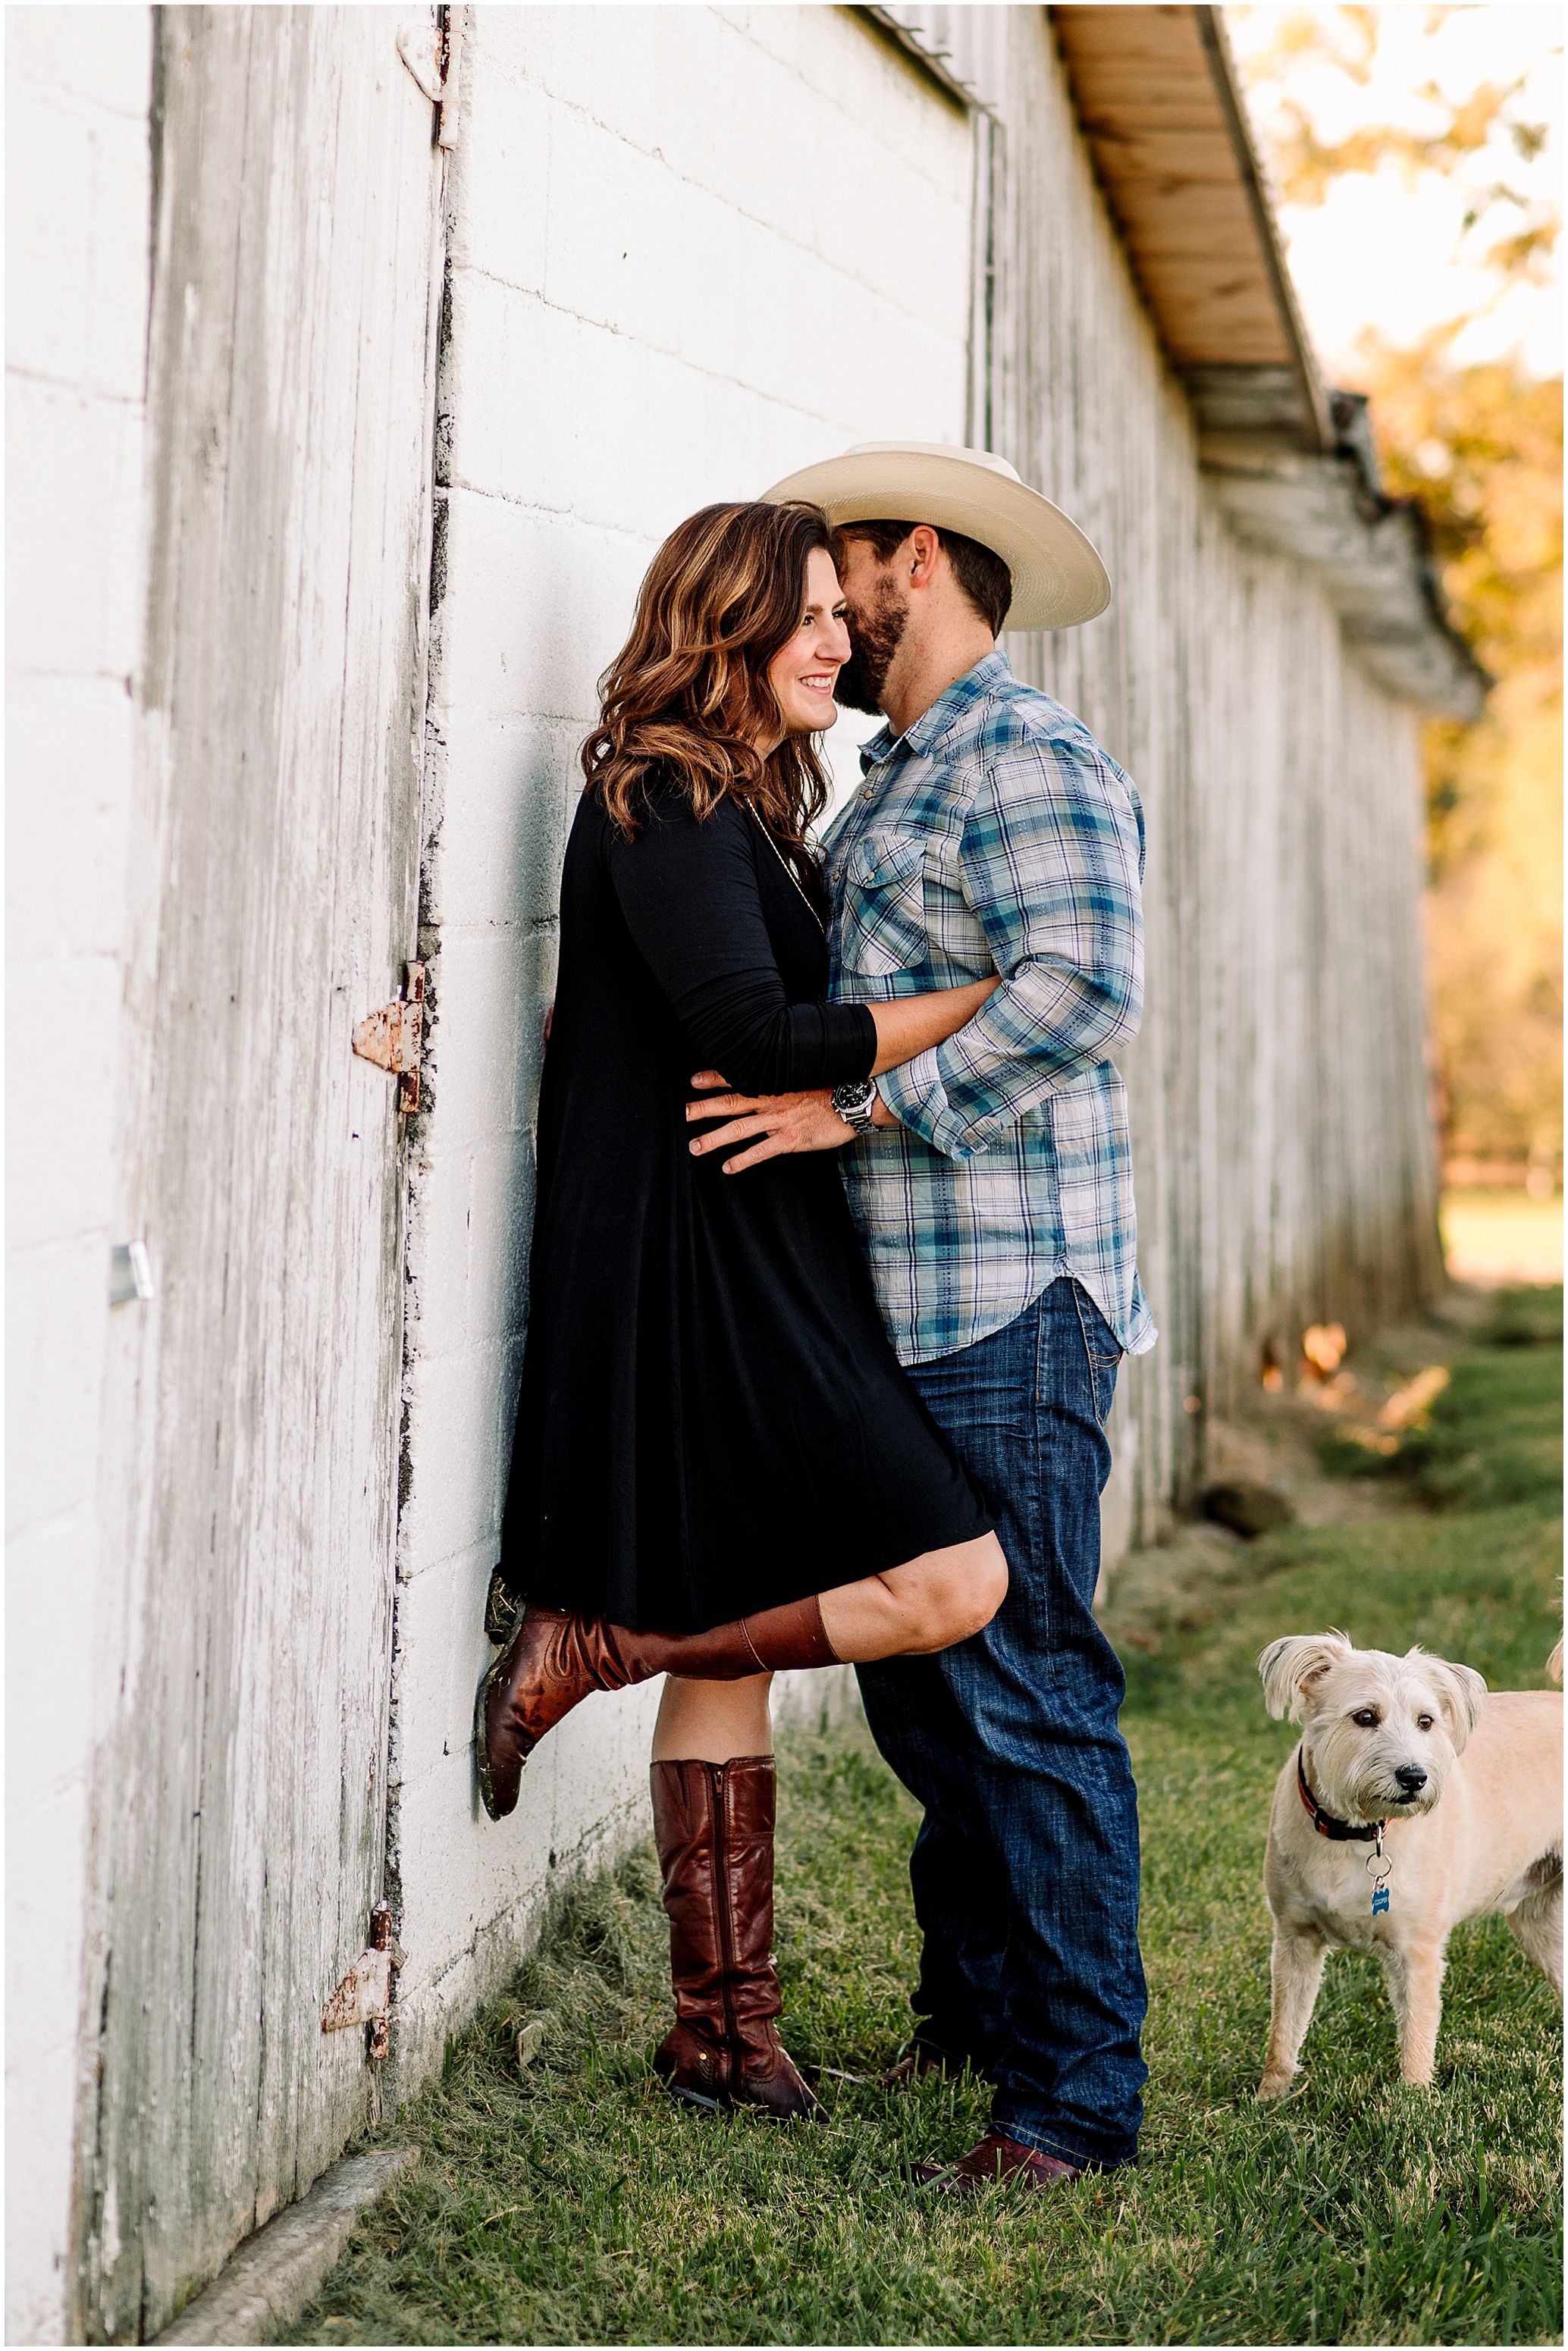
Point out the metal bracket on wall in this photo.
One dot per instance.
(129, 1272)
(437, 76)
(393, 1038)
(364, 1996)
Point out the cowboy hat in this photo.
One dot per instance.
(1057, 577)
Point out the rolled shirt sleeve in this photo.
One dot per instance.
(1051, 863)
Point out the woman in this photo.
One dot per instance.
(712, 1426)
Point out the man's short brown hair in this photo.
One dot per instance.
(983, 575)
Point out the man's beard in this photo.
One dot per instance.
(875, 638)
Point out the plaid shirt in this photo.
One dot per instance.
(995, 834)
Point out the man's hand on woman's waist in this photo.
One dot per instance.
(774, 1124)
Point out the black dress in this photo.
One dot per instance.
(711, 1420)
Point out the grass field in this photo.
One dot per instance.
(567, 2202)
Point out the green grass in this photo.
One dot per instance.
(570, 2203)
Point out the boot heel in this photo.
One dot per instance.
(481, 1745)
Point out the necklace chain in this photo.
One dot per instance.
(789, 870)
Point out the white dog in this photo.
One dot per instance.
(1412, 1801)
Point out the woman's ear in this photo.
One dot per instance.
(1291, 1666)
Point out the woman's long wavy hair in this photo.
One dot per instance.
(688, 692)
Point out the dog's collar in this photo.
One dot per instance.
(1337, 1832)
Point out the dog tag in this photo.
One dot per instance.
(1379, 1900)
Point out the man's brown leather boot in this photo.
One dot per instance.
(713, 1825)
(555, 1660)
(998, 2162)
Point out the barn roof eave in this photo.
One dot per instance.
(1289, 461)
(1373, 559)
(1160, 107)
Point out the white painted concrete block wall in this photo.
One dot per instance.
(79, 196)
(690, 249)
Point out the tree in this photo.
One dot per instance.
(1479, 447)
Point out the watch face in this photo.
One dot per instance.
(853, 1103)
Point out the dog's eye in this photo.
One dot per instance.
(1423, 1722)
(1368, 1718)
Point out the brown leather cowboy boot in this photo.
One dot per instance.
(555, 1660)
(714, 1825)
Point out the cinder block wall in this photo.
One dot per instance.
(79, 199)
(650, 305)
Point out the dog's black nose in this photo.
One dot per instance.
(1411, 1777)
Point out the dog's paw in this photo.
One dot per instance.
(1273, 2086)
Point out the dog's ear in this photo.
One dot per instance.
(1461, 1694)
(1289, 1667)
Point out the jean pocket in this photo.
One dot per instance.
(1102, 1353)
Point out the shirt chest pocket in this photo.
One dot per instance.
(882, 926)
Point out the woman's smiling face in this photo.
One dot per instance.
(804, 672)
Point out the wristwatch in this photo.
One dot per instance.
(853, 1105)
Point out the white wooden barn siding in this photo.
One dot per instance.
(251, 1495)
(689, 249)
(77, 88)
(1282, 1147)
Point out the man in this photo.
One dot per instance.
(990, 1180)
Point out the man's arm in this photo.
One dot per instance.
(1051, 860)
(1052, 863)
(807, 1121)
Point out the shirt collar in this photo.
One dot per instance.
(937, 716)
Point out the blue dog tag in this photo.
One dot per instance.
(1379, 1900)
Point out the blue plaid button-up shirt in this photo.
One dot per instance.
(995, 834)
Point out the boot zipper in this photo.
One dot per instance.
(721, 1889)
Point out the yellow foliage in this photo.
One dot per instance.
(1480, 449)
(1306, 167)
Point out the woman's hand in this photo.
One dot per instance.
(774, 1124)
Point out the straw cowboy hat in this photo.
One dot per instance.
(1057, 577)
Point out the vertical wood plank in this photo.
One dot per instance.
(239, 1834)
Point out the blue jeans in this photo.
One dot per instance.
(1025, 1867)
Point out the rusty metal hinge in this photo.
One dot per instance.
(364, 1996)
(392, 1038)
(437, 75)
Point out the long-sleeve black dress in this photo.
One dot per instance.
(711, 1420)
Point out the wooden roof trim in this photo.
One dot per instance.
(1227, 87)
(1159, 107)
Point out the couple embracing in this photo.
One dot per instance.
(834, 1268)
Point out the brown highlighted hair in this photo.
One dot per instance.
(688, 695)
(981, 574)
